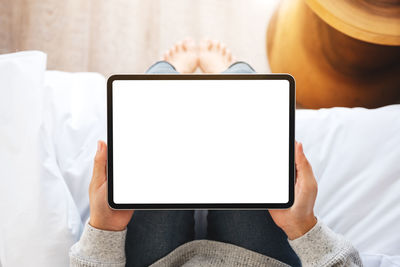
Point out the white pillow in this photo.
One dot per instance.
(39, 220)
(77, 119)
(355, 154)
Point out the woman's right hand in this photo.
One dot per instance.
(101, 215)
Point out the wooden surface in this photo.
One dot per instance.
(129, 35)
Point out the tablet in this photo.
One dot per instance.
(178, 141)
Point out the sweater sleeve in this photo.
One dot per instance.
(98, 248)
(322, 247)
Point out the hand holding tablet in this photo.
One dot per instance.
(295, 221)
(101, 216)
(200, 141)
(300, 218)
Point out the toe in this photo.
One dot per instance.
(187, 44)
(184, 47)
(166, 56)
(178, 46)
(223, 49)
(228, 55)
(209, 44)
(215, 44)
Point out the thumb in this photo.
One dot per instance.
(303, 167)
(100, 164)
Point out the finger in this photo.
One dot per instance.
(100, 165)
(303, 167)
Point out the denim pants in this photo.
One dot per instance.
(154, 234)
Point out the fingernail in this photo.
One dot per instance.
(98, 146)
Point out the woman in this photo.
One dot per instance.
(290, 237)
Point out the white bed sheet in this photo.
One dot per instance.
(354, 152)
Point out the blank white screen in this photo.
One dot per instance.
(200, 141)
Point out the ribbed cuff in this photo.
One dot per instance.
(318, 246)
(98, 247)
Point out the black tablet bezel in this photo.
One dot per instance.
(255, 76)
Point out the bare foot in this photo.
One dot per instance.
(214, 57)
(183, 56)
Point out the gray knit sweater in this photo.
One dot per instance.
(319, 247)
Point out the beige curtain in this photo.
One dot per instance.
(110, 36)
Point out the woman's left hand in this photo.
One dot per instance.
(299, 219)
